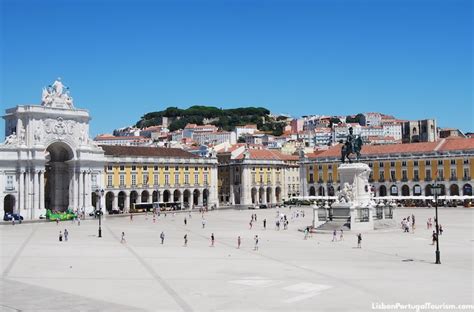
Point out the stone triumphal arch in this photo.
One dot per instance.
(47, 160)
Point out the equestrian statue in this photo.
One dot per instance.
(353, 145)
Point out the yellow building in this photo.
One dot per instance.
(157, 175)
(397, 169)
(256, 176)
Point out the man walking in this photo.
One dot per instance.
(238, 242)
(162, 236)
(359, 240)
(334, 238)
(264, 224)
(212, 240)
(185, 240)
(256, 242)
(123, 238)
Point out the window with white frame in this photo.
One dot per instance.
(196, 178)
(134, 179)
(206, 178)
(122, 180)
(167, 179)
(145, 178)
(176, 178)
(94, 180)
(155, 179)
(186, 179)
(109, 180)
(9, 185)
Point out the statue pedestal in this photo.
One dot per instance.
(354, 204)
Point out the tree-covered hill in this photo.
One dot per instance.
(226, 119)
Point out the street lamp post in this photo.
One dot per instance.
(99, 194)
(436, 189)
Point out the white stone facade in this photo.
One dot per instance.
(47, 159)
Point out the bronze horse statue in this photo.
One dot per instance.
(351, 147)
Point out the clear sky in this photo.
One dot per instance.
(122, 59)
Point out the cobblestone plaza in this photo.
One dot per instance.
(287, 273)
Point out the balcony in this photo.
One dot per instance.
(9, 188)
(320, 181)
(311, 181)
(371, 180)
(466, 178)
(416, 179)
(428, 179)
(453, 178)
(381, 180)
(404, 179)
(393, 180)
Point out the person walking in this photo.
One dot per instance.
(359, 240)
(131, 217)
(66, 234)
(185, 240)
(440, 229)
(212, 240)
(334, 237)
(122, 240)
(264, 224)
(238, 242)
(162, 237)
(60, 236)
(203, 223)
(250, 224)
(433, 238)
(256, 242)
(341, 236)
(78, 221)
(185, 221)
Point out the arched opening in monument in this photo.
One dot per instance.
(166, 196)
(9, 203)
(205, 197)
(261, 195)
(57, 176)
(145, 196)
(321, 191)
(133, 199)
(405, 190)
(278, 194)
(196, 195)
(186, 196)
(109, 201)
(176, 196)
(467, 190)
(155, 196)
(312, 191)
(454, 190)
(330, 190)
(269, 195)
(121, 200)
(382, 191)
(254, 195)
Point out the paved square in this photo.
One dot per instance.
(287, 273)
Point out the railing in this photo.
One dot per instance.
(381, 180)
(453, 178)
(428, 179)
(9, 188)
(404, 179)
(466, 178)
(416, 179)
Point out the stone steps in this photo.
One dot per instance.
(335, 225)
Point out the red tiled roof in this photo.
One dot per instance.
(457, 143)
(265, 154)
(146, 151)
(335, 151)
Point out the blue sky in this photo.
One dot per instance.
(122, 59)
